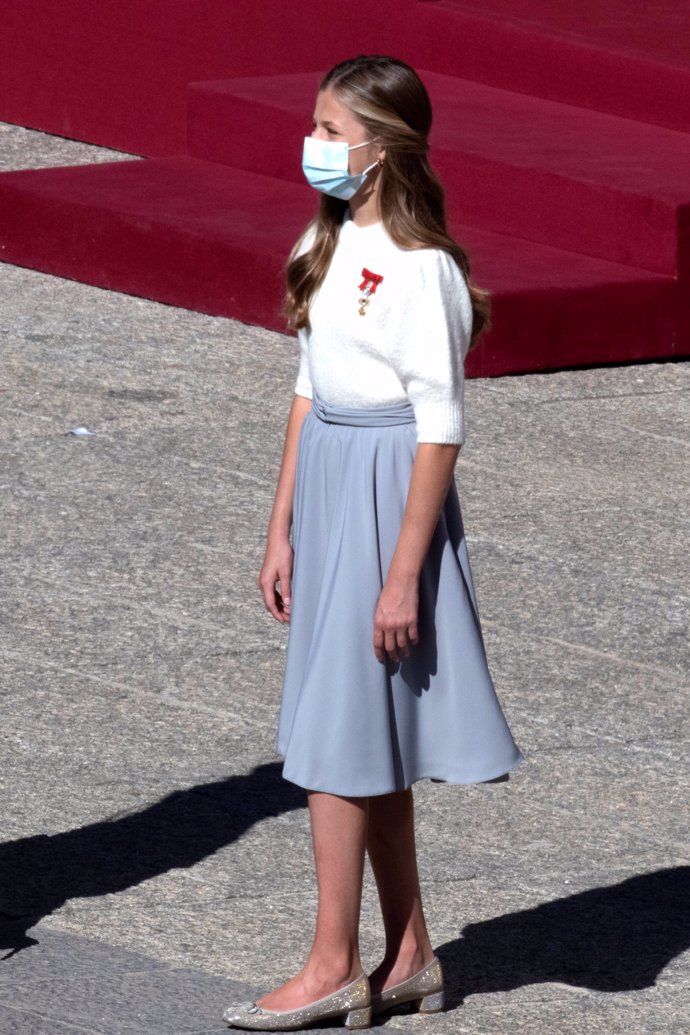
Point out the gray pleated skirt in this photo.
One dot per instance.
(350, 725)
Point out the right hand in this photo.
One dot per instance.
(275, 579)
(396, 629)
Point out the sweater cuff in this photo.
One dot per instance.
(303, 387)
(440, 422)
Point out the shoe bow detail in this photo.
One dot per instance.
(352, 1003)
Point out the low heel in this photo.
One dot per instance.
(433, 1003)
(358, 1018)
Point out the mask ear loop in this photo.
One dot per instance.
(372, 166)
(379, 161)
(353, 147)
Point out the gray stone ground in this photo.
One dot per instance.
(154, 866)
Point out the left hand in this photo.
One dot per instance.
(395, 620)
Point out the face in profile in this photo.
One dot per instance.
(335, 122)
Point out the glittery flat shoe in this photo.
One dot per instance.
(423, 990)
(352, 1003)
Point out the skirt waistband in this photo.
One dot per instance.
(378, 417)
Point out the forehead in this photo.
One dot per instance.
(329, 109)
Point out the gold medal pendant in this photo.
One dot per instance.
(368, 287)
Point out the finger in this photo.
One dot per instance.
(275, 609)
(379, 646)
(403, 643)
(283, 611)
(391, 644)
(413, 634)
(283, 608)
(271, 598)
(285, 581)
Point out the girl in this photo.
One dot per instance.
(386, 680)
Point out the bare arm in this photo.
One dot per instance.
(395, 621)
(276, 572)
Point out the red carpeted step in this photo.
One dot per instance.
(180, 230)
(116, 73)
(535, 169)
(212, 238)
(609, 55)
(614, 313)
(657, 31)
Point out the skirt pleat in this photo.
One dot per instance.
(350, 725)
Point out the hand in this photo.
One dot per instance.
(275, 579)
(395, 621)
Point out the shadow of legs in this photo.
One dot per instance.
(38, 874)
(610, 939)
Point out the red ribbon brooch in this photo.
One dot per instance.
(367, 288)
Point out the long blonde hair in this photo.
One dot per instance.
(391, 102)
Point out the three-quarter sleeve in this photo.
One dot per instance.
(303, 384)
(428, 345)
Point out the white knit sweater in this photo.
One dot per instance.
(409, 345)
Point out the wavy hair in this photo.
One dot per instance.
(391, 102)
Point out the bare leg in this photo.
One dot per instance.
(393, 856)
(339, 830)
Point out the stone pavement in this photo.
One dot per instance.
(153, 864)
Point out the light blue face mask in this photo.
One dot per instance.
(325, 163)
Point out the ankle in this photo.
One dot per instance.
(333, 968)
(410, 954)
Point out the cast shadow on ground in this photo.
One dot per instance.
(610, 939)
(39, 874)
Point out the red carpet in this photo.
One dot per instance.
(626, 58)
(576, 218)
(117, 73)
(515, 164)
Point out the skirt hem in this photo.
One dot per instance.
(455, 779)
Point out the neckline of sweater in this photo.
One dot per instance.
(372, 238)
(350, 226)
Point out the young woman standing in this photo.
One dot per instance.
(386, 680)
